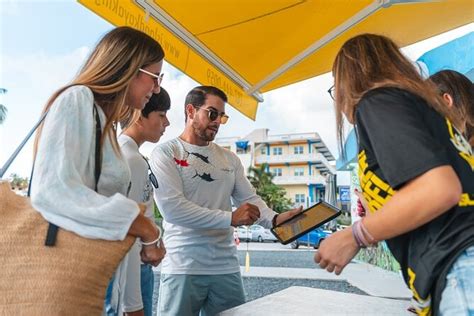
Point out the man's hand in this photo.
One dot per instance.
(288, 214)
(246, 214)
(153, 254)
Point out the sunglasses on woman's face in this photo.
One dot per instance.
(158, 78)
(213, 115)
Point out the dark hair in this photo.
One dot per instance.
(197, 96)
(460, 88)
(158, 102)
(470, 134)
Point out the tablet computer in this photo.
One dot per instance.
(309, 219)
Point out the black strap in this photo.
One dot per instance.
(52, 228)
(98, 156)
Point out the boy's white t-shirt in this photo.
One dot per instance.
(141, 191)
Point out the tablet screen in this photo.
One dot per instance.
(309, 219)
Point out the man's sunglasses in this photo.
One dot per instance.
(213, 115)
(151, 175)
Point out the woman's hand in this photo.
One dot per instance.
(336, 251)
(153, 254)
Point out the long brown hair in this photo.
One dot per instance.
(461, 89)
(108, 71)
(370, 61)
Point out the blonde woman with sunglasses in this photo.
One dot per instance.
(116, 81)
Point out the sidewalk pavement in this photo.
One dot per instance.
(388, 293)
(368, 278)
(372, 280)
(303, 301)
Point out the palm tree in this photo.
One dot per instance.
(273, 195)
(3, 109)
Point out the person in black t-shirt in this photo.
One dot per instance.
(416, 172)
(458, 93)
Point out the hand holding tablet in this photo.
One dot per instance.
(307, 220)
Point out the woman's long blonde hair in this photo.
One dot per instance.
(108, 71)
(370, 61)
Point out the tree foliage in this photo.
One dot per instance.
(273, 195)
(18, 182)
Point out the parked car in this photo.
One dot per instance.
(261, 234)
(236, 237)
(244, 233)
(314, 238)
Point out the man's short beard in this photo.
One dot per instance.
(202, 133)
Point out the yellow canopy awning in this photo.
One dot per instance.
(246, 47)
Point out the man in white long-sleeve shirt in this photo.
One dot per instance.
(197, 180)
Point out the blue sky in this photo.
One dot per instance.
(43, 44)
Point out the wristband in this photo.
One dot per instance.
(365, 232)
(361, 235)
(356, 236)
(156, 241)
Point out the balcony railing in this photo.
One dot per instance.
(296, 136)
(281, 159)
(287, 180)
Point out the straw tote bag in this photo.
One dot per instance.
(68, 277)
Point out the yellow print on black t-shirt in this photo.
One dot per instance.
(376, 191)
(462, 145)
(465, 151)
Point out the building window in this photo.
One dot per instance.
(298, 150)
(277, 151)
(277, 172)
(263, 151)
(299, 172)
(300, 198)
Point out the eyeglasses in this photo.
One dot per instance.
(331, 92)
(213, 115)
(151, 175)
(158, 77)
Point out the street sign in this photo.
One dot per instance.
(345, 194)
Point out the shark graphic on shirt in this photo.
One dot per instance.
(200, 156)
(205, 176)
